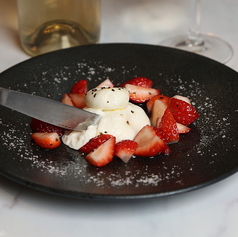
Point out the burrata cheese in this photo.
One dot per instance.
(118, 117)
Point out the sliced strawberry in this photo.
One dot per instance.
(103, 154)
(43, 127)
(125, 149)
(166, 150)
(149, 144)
(180, 97)
(94, 143)
(78, 100)
(139, 81)
(168, 127)
(140, 94)
(157, 112)
(46, 140)
(183, 112)
(106, 83)
(66, 100)
(182, 128)
(80, 87)
(163, 98)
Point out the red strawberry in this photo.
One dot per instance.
(166, 150)
(103, 154)
(183, 112)
(157, 111)
(180, 97)
(125, 149)
(43, 127)
(140, 94)
(66, 100)
(139, 81)
(80, 87)
(106, 83)
(162, 98)
(46, 140)
(168, 127)
(94, 143)
(182, 128)
(149, 144)
(78, 100)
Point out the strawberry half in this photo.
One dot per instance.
(168, 127)
(139, 81)
(157, 112)
(162, 98)
(125, 149)
(66, 100)
(103, 154)
(94, 143)
(80, 87)
(149, 144)
(78, 100)
(184, 98)
(140, 94)
(46, 140)
(43, 127)
(182, 128)
(182, 111)
(166, 150)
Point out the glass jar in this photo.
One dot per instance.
(47, 25)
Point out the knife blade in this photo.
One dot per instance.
(47, 110)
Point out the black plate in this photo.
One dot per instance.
(204, 156)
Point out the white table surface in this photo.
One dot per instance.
(207, 212)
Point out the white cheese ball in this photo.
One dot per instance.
(107, 98)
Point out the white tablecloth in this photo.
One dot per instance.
(207, 212)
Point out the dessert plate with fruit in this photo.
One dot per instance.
(167, 122)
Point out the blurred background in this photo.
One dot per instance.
(136, 21)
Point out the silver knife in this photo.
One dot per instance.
(47, 110)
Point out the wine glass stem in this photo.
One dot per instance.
(194, 32)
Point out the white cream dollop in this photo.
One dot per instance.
(107, 98)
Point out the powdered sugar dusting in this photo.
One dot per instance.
(208, 109)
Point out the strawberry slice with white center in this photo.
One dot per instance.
(140, 94)
(149, 144)
(182, 128)
(139, 81)
(46, 140)
(168, 127)
(80, 87)
(94, 143)
(78, 100)
(163, 98)
(157, 112)
(125, 149)
(103, 154)
(182, 111)
(66, 100)
(106, 84)
(183, 98)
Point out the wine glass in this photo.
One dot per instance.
(207, 45)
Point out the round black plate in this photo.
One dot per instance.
(206, 155)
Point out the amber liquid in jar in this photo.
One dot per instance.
(47, 25)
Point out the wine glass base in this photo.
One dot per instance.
(212, 46)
